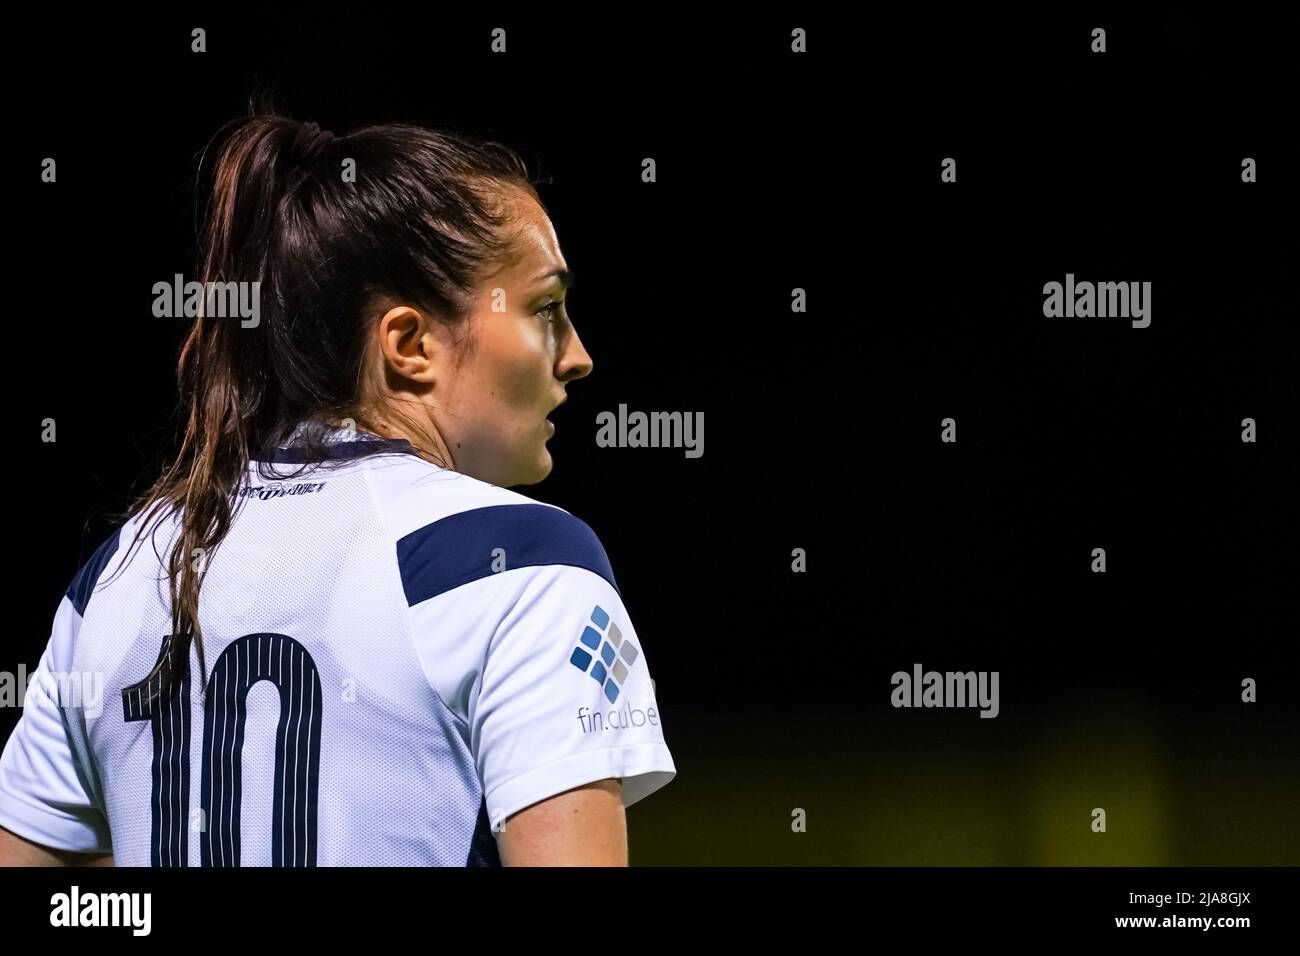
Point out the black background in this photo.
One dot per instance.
(816, 171)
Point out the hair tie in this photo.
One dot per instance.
(311, 139)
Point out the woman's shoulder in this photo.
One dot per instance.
(416, 492)
(437, 516)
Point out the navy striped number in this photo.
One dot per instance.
(256, 657)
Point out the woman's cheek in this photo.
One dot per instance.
(529, 369)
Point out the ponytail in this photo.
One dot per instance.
(420, 223)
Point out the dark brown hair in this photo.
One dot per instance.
(422, 222)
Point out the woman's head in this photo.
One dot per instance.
(403, 290)
(485, 385)
(410, 281)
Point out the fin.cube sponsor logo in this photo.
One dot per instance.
(604, 654)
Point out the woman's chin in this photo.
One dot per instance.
(531, 475)
(545, 465)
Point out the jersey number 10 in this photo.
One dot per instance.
(249, 660)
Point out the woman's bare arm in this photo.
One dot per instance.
(17, 851)
(585, 826)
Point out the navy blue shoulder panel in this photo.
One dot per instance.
(461, 548)
(84, 583)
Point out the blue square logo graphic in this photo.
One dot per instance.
(611, 666)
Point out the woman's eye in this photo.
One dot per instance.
(550, 308)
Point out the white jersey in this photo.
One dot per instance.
(399, 657)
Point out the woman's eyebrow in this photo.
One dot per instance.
(566, 277)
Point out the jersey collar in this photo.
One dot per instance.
(338, 443)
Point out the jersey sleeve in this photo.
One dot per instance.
(521, 631)
(45, 789)
(566, 695)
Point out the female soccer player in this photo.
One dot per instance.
(329, 634)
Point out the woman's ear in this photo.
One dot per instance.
(409, 344)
